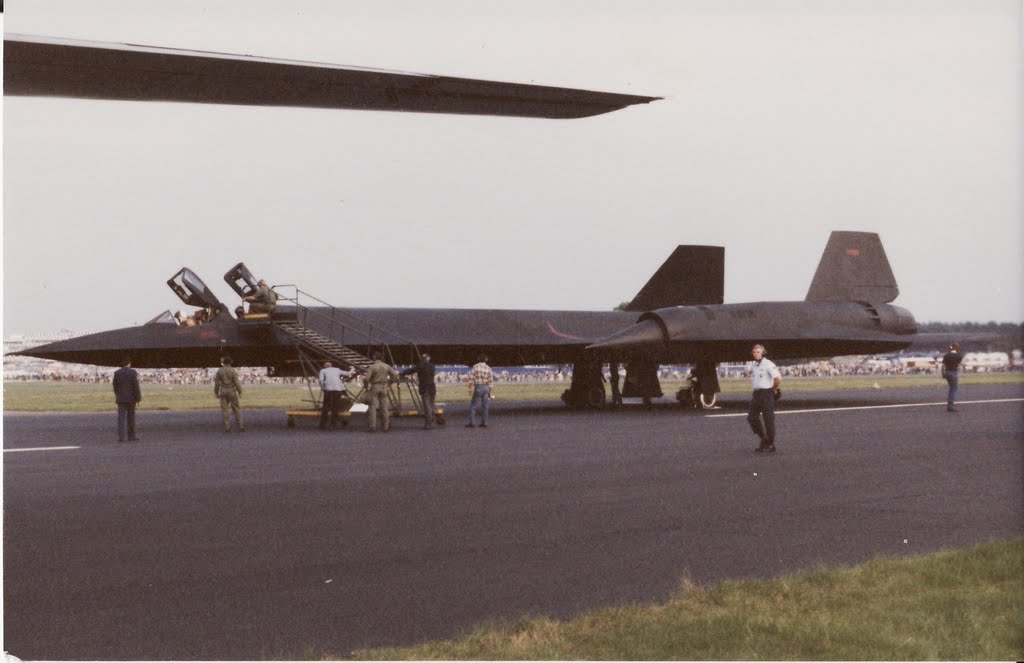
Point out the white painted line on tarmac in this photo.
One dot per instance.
(42, 449)
(874, 407)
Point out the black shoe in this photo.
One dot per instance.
(951, 409)
(761, 449)
(120, 439)
(227, 430)
(470, 425)
(241, 430)
(371, 430)
(770, 449)
(483, 425)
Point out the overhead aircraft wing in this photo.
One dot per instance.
(49, 67)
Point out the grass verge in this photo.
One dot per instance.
(954, 605)
(86, 397)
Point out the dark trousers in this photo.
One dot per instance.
(332, 403)
(762, 404)
(428, 408)
(125, 420)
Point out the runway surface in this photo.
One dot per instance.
(193, 544)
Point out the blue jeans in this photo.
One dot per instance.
(482, 395)
(953, 378)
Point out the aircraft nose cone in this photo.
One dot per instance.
(644, 335)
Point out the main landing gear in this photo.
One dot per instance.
(702, 387)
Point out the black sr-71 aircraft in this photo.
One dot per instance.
(678, 317)
(682, 316)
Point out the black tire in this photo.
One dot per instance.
(707, 404)
(595, 397)
(685, 397)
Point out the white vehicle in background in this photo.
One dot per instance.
(919, 364)
(983, 362)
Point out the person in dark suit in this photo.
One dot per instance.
(424, 371)
(128, 395)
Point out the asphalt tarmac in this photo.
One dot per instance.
(194, 544)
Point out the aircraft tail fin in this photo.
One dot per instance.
(692, 275)
(853, 267)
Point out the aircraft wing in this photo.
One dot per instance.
(43, 66)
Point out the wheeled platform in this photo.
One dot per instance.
(347, 414)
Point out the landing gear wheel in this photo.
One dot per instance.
(707, 402)
(595, 397)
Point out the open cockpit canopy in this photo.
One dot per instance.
(241, 280)
(190, 289)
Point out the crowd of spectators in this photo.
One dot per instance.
(31, 369)
(455, 375)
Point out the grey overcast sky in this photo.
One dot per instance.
(782, 120)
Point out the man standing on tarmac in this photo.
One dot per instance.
(951, 372)
(424, 371)
(332, 384)
(228, 388)
(376, 382)
(128, 395)
(480, 379)
(766, 381)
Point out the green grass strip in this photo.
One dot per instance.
(89, 397)
(953, 605)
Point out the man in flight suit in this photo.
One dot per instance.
(376, 382)
(766, 381)
(228, 388)
(264, 300)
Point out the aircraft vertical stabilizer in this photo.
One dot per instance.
(692, 275)
(853, 267)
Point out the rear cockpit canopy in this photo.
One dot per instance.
(241, 280)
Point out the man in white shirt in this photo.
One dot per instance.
(332, 384)
(766, 381)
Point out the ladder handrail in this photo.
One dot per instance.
(331, 319)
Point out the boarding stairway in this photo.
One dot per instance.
(322, 346)
(335, 331)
